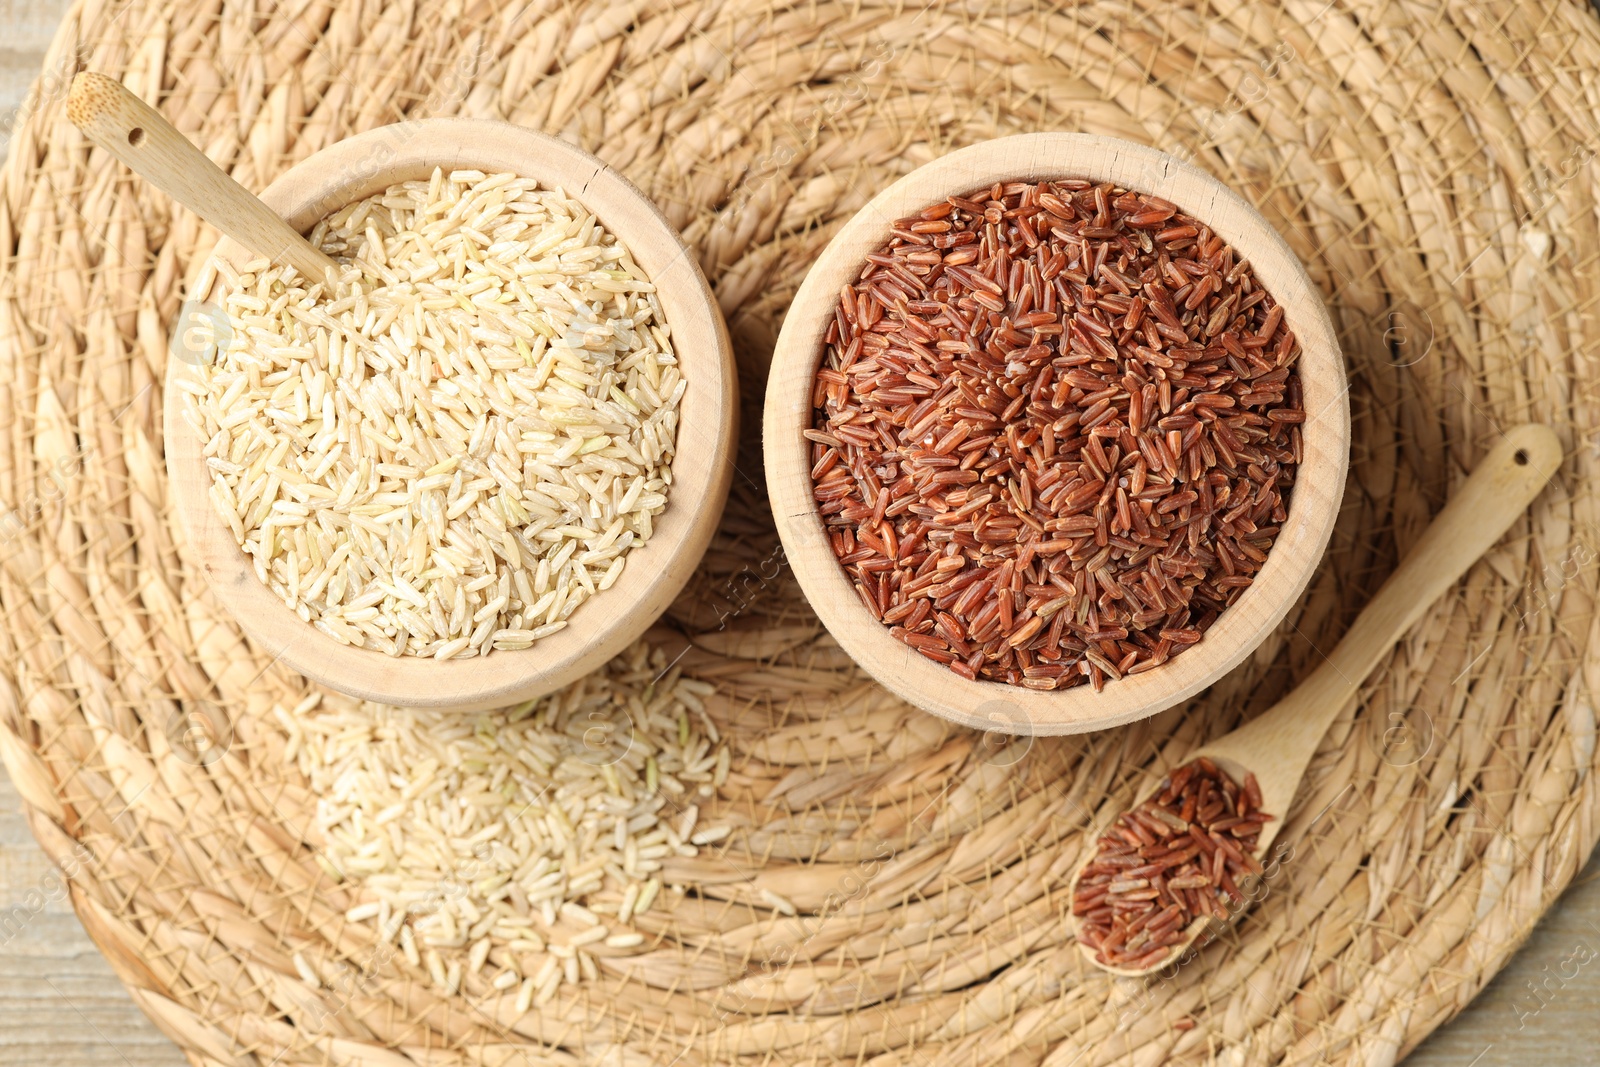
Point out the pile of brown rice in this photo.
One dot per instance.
(1055, 430)
(513, 847)
(1187, 851)
(460, 444)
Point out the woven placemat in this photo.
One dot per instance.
(1431, 164)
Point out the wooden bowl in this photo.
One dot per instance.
(702, 468)
(1319, 482)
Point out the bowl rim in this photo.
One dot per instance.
(702, 467)
(1314, 504)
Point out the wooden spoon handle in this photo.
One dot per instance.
(1498, 490)
(134, 132)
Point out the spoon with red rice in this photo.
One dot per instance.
(1188, 859)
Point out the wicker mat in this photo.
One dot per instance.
(1431, 164)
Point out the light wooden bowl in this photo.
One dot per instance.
(702, 468)
(1319, 482)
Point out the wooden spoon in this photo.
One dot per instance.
(1279, 744)
(135, 133)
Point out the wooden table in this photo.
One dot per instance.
(60, 1004)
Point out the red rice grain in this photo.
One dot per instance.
(1179, 855)
(1054, 432)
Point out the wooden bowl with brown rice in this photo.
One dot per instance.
(526, 402)
(1018, 295)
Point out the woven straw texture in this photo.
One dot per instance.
(1433, 166)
